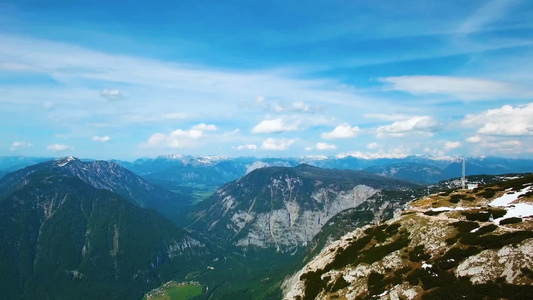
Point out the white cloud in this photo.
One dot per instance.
(503, 146)
(452, 145)
(180, 138)
(295, 107)
(386, 117)
(111, 94)
(102, 139)
(17, 145)
(372, 146)
(460, 87)
(205, 127)
(299, 107)
(156, 139)
(504, 121)
(258, 103)
(474, 139)
(189, 134)
(306, 108)
(434, 152)
(247, 147)
(59, 147)
(342, 132)
(274, 126)
(325, 146)
(418, 124)
(173, 116)
(277, 144)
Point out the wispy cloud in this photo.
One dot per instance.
(17, 145)
(261, 103)
(111, 95)
(463, 88)
(489, 12)
(59, 147)
(72, 63)
(386, 117)
(299, 107)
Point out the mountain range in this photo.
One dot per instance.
(176, 170)
(89, 229)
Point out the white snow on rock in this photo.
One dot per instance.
(65, 161)
(518, 210)
(508, 198)
(513, 210)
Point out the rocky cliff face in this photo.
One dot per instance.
(457, 244)
(284, 208)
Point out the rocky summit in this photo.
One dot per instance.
(456, 244)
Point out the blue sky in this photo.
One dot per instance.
(275, 78)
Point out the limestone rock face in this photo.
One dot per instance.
(285, 208)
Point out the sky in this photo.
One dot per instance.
(130, 79)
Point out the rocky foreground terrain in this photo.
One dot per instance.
(456, 244)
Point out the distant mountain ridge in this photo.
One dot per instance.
(174, 171)
(168, 170)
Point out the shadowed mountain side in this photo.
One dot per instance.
(61, 238)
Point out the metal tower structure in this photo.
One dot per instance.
(463, 179)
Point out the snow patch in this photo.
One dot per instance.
(508, 198)
(474, 230)
(65, 161)
(513, 210)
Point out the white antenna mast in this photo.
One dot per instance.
(463, 179)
